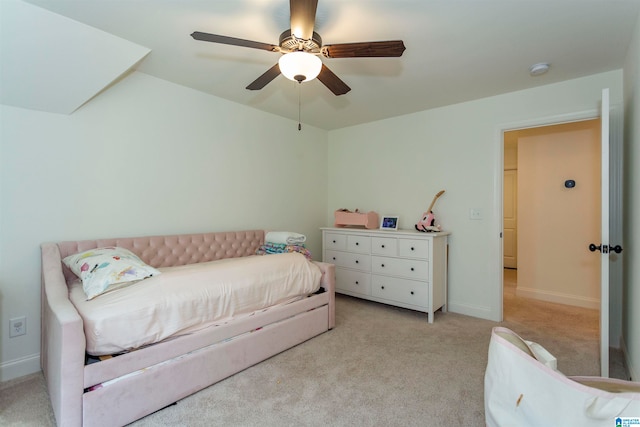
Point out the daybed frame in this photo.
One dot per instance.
(195, 361)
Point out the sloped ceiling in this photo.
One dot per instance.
(55, 64)
(457, 50)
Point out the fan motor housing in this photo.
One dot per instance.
(290, 43)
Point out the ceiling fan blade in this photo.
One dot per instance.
(391, 48)
(333, 82)
(265, 79)
(215, 38)
(303, 17)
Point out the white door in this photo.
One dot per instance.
(604, 243)
(509, 210)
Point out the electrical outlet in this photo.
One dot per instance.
(475, 213)
(17, 326)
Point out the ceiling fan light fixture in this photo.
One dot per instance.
(300, 66)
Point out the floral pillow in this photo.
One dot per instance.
(105, 269)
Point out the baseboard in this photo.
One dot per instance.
(633, 374)
(20, 367)
(558, 298)
(473, 311)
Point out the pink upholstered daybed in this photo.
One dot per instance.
(122, 389)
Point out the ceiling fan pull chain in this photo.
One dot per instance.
(299, 107)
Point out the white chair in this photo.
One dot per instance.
(522, 388)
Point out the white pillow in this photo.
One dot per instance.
(105, 269)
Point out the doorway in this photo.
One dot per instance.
(551, 209)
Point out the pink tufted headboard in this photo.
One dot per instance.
(169, 251)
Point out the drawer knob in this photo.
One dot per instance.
(382, 265)
(412, 248)
(334, 258)
(411, 292)
(334, 241)
(411, 268)
(383, 246)
(357, 261)
(357, 282)
(357, 243)
(381, 287)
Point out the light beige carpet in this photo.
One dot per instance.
(380, 366)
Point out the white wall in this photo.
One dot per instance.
(631, 292)
(145, 157)
(397, 165)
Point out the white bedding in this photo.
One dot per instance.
(191, 297)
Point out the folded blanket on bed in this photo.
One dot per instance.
(279, 248)
(273, 248)
(285, 237)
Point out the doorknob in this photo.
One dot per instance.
(605, 249)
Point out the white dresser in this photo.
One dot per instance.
(405, 268)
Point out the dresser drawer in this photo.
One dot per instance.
(384, 246)
(413, 248)
(400, 290)
(353, 281)
(348, 260)
(335, 241)
(359, 244)
(409, 268)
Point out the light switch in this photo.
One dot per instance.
(475, 213)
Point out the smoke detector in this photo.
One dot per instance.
(538, 69)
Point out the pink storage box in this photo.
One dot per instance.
(358, 219)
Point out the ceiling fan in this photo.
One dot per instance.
(301, 46)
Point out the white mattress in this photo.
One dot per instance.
(187, 298)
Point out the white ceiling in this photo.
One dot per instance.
(457, 50)
(45, 68)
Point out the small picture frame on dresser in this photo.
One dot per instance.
(389, 223)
